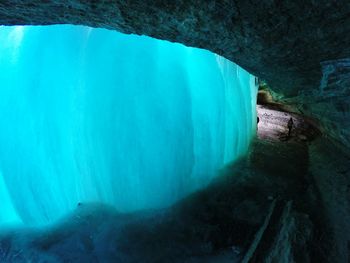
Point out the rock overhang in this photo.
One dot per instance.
(281, 42)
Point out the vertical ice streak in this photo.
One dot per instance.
(8, 213)
(95, 115)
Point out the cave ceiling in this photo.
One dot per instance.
(282, 42)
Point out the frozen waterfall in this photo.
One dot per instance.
(91, 115)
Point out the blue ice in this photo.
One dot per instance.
(91, 115)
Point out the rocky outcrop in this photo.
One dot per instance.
(282, 42)
(330, 102)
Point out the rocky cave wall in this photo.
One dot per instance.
(330, 103)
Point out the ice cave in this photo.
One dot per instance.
(179, 131)
(93, 115)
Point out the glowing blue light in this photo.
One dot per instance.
(96, 115)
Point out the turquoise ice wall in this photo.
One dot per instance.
(91, 115)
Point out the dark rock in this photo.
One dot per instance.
(330, 103)
(283, 42)
(329, 166)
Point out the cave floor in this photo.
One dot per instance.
(266, 207)
(273, 125)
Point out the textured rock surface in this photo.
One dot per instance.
(280, 41)
(330, 168)
(330, 102)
